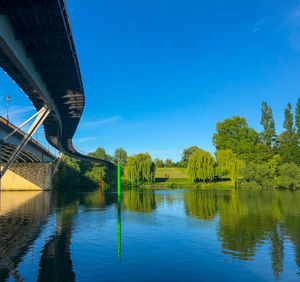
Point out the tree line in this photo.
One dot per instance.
(251, 159)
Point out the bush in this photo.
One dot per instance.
(289, 176)
(257, 175)
(250, 185)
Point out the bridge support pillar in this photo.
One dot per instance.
(27, 176)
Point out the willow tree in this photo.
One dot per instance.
(140, 168)
(201, 166)
(228, 164)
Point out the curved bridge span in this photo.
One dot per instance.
(37, 51)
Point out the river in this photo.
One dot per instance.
(208, 235)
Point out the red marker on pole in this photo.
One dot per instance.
(101, 181)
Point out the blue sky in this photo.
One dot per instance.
(159, 74)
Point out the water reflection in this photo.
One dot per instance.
(119, 230)
(22, 215)
(55, 262)
(248, 219)
(139, 201)
(243, 223)
(201, 205)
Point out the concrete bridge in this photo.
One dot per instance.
(32, 168)
(37, 51)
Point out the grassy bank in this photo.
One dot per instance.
(176, 178)
(170, 172)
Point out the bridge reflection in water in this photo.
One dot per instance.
(22, 216)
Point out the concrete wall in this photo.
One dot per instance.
(27, 176)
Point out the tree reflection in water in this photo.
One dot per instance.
(139, 201)
(248, 218)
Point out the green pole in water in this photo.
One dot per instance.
(119, 210)
(119, 230)
(119, 182)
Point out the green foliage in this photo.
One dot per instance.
(186, 154)
(297, 120)
(83, 174)
(274, 165)
(257, 175)
(201, 166)
(235, 134)
(289, 135)
(169, 163)
(69, 175)
(267, 121)
(228, 164)
(100, 154)
(290, 153)
(158, 163)
(260, 153)
(271, 175)
(289, 176)
(289, 149)
(120, 155)
(140, 168)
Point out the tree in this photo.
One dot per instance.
(267, 121)
(69, 175)
(257, 176)
(297, 120)
(158, 162)
(168, 163)
(289, 176)
(274, 165)
(289, 135)
(140, 168)
(186, 154)
(228, 164)
(120, 155)
(235, 134)
(100, 154)
(201, 166)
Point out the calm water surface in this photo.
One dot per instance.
(154, 235)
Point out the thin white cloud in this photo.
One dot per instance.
(84, 139)
(294, 41)
(293, 23)
(99, 122)
(18, 114)
(257, 26)
(294, 16)
(17, 110)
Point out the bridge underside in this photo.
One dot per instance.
(38, 52)
(24, 157)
